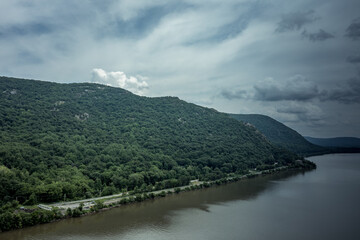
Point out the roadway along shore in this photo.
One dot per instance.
(88, 203)
(108, 199)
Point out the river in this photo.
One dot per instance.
(318, 204)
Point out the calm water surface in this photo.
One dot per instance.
(320, 204)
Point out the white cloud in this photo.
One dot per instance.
(119, 79)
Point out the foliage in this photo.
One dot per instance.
(15, 218)
(76, 212)
(69, 212)
(73, 141)
(280, 134)
(99, 204)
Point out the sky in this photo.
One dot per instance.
(296, 61)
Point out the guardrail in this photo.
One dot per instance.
(42, 206)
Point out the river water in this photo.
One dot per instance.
(319, 204)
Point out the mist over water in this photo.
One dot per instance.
(319, 204)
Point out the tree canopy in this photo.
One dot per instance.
(74, 141)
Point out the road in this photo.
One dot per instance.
(109, 199)
(75, 204)
(117, 197)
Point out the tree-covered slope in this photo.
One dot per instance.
(71, 141)
(280, 134)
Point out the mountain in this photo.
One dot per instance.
(340, 142)
(73, 141)
(280, 134)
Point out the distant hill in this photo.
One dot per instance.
(280, 134)
(342, 142)
(81, 140)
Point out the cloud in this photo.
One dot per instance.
(299, 89)
(128, 10)
(295, 21)
(119, 79)
(28, 57)
(296, 112)
(353, 31)
(347, 94)
(353, 58)
(238, 94)
(192, 49)
(135, 19)
(321, 35)
(25, 29)
(296, 88)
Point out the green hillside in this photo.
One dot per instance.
(73, 141)
(280, 134)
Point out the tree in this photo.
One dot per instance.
(6, 220)
(136, 180)
(109, 190)
(81, 206)
(99, 204)
(69, 212)
(32, 200)
(16, 221)
(76, 212)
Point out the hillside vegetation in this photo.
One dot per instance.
(74, 141)
(280, 134)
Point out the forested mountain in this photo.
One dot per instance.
(342, 142)
(280, 134)
(72, 141)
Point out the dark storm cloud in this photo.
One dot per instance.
(144, 22)
(353, 31)
(348, 94)
(303, 113)
(27, 57)
(292, 110)
(232, 29)
(241, 22)
(321, 35)
(295, 21)
(353, 58)
(25, 29)
(246, 12)
(225, 32)
(238, 94)
(297, 88)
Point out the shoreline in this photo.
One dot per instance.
(108, 202)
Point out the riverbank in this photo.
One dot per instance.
(20, 218)
(323, 202)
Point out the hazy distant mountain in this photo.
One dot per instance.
(280, 134)
(342, 142)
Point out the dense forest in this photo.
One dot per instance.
(281, 135)
(74, 141)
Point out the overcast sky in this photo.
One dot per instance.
(297, 61)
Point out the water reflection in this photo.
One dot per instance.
(153, 214)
